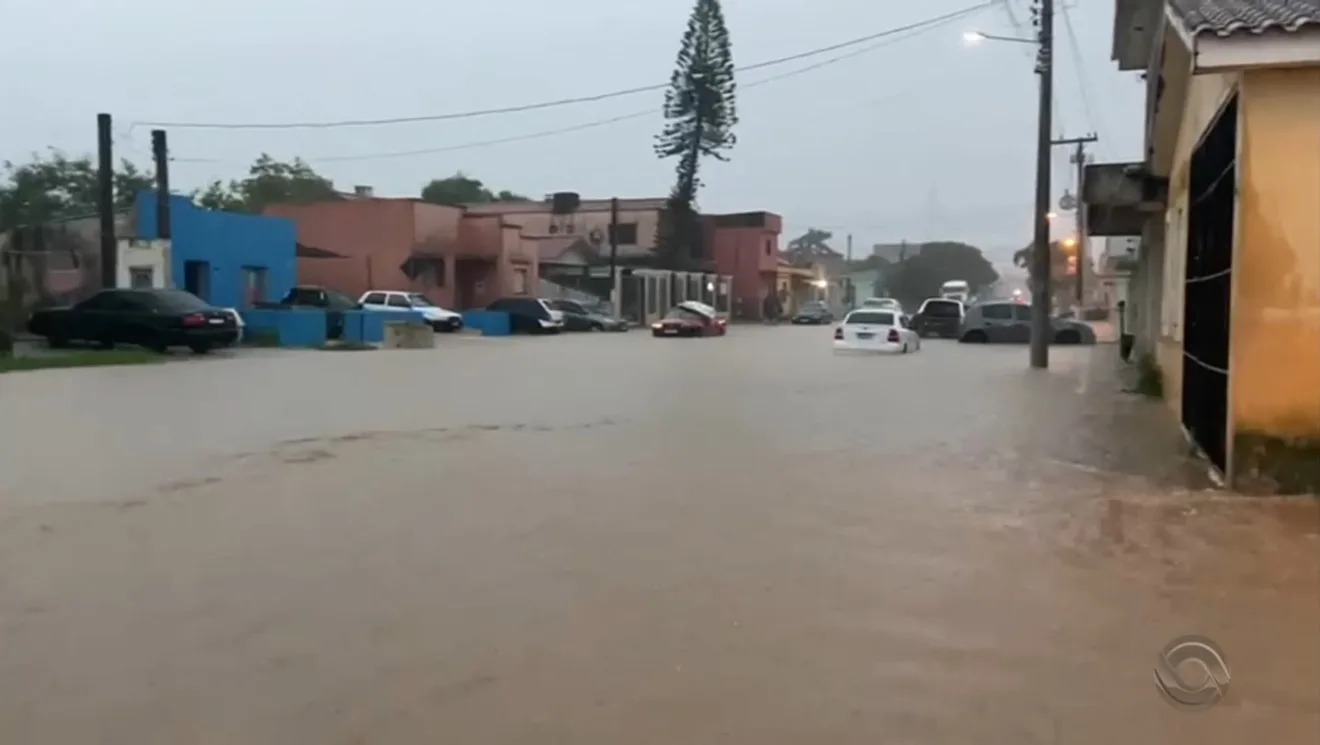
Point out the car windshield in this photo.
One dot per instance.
(941, 309)
(870, 317)
(684, 314)
(566, 306)
(177, 301)
(419, 300)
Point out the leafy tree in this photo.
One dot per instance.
(915, 277)
(55, 186)
(814, 239)
(269, 181)
(462, 189)
(700, 112)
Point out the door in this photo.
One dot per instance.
(1021, 323)
(254, 285)
(398, 303)
(197, 278)
(373, 301)
(999, 322)
(132, 320)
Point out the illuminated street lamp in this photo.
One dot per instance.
(1051, 215)
(972, 38)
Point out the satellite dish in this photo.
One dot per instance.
(1067, 202)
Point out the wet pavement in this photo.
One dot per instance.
(609, 539)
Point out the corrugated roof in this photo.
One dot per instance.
(1228, 17)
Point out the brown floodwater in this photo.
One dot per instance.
(606, 539)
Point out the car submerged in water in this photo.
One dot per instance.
(813, 314)
(1008, 322)
(690, 318)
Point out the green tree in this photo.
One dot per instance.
(700, 114)
(917, 276)
(463, 189)
(814, 240)
(55, 186)
(268, 182)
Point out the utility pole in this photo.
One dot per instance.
(1040, 253)
(105, 200)
(1079, 159)
(615, 300)
(847, 279)
(161, 154)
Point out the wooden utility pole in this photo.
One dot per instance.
(161, 154)
(1079, 158)
(105, 200)
(615, 300)
(1040, 252)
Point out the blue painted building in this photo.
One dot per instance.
(228, 259)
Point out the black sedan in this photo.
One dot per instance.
(814, 314)
(580, 316)
(156, 319)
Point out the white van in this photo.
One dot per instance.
(956, 289)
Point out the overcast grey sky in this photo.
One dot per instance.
(924, 138)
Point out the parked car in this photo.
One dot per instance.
(690, 318)
(395, 301)
(814, 313)
(333, 302)
(875, 330)
(883, 303)
(940, 317)
(153, 318)
(579, 316)
(1007, 322)
(529, 315)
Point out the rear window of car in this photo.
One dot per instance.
(874, 318)
(684, 314)
(175, 301)
(942, 309)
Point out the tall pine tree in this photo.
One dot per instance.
(700, 113)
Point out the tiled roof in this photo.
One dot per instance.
(1227, 17)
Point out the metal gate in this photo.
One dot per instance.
(1207, 296)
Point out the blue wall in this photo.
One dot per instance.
(228, 242)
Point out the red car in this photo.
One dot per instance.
(690, 318)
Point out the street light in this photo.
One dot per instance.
(972, 38)
(1051, 215)
(1041, 254)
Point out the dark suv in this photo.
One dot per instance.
(939, 317)
(529, 315)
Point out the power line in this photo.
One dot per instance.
(888, 41)
(947, 17)
(1080, 70)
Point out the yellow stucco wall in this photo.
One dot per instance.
(1275, 342)
(1206, 95)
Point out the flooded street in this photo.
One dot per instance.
(606, 539)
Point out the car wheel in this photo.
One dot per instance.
(597, 327)
(975, 337)
(1068, 336)
(199, 347)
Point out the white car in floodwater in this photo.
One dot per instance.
(870, 330)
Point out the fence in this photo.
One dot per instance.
(647, 294)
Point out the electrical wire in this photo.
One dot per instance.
(1080, 70)
(888, 41)
(945, 18)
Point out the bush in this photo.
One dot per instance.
(1150, 379)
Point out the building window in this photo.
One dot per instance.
(519, 281)
(141, 277)
(626, 232)
(254, 284)
(769, 246)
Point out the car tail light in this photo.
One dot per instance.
(838, 334)
(893, 336)
(196, 319)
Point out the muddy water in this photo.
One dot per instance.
(934, 549)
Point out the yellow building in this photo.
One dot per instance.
(1226, 294)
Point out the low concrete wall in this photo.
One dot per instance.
(488, 322)
(291, 327)
(408, 335)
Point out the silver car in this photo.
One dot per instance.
(1007, 322)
